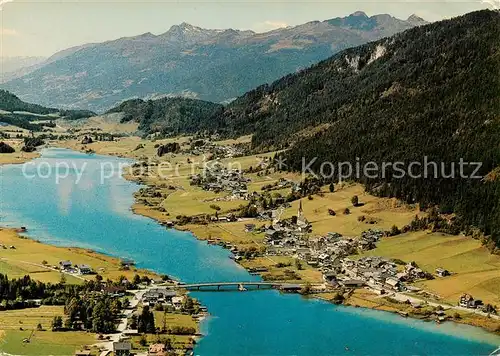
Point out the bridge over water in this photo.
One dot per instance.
(496, 352)
(221, 286)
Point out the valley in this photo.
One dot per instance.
(193, 201)
(429, 250)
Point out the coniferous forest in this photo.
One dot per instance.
(432, 91)
(429, 94)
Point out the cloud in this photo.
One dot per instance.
(3, 2)
(8, 32)
(270, 25)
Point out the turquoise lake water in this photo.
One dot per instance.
(97, 216)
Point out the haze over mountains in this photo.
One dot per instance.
(15, 67)
(11, 64)
(214, 65)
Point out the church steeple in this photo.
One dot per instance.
(301, 220)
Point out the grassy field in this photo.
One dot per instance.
(123, 147)
(18, 156)
(174, 319)
(106, 123)
(385, 212)
(19, 269)
(43, 343)
(29, 318)
(474, 269)
(17, 325)
(29, 255)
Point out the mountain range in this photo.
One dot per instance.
(189, 61)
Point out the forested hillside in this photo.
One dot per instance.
(431, 91)
(11, 103)
(168, 116)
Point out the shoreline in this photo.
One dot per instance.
(147, 211)
(105, 265)
(347, 303)
(158, 216)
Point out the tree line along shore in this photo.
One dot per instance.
(176, 201)
(60, 301)
(221, 215)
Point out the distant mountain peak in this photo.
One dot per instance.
(144, 36)
(215, 64)
(416, 19)
(188, 27)
(359, 14)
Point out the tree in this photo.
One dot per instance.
(5, 148)
(168, 344)
(338, 298)
(164, 325)
(68, 324)
(355, 200)
(298, 264)
(188, 305)
(136, 280)
(490, 309)
(146, 321)
(395, 230)
(306, 289)
(347, 211)
(331, 188)
(133, 322)
(215, 207)
(143, 341)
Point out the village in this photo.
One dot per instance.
(220, 179)
(337, 257)
(156, 308)
(215, 151)
(333, 255)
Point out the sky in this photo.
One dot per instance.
(43, 27)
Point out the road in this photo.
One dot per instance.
(107, 345)
(46, 267)
(403, 297)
